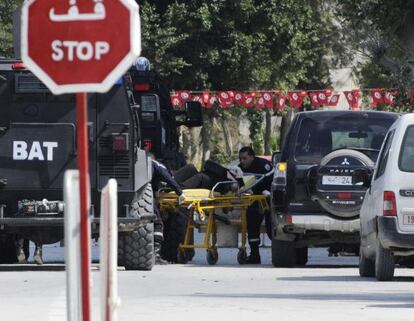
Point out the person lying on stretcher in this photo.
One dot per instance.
(190, 178)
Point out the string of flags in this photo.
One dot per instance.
(279, 100)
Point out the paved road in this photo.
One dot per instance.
(327, 289)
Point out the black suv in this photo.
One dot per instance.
(320, 181)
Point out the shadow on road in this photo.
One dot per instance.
(341, 278)
(400, 300)
(31, 267)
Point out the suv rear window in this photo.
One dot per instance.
(319, 136)
(406, 158)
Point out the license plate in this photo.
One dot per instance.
(408, 219)
(337, 180)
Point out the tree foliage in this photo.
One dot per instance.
(7, 8)
(245, 44)
(379, 33)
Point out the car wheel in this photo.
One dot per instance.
(283, 253)
(366, 265)
(384, 264)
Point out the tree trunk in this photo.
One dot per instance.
(286, 121)
(227, 136)
(268, 133)
(205, 139)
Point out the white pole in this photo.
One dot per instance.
(109, 252)
(72, 245)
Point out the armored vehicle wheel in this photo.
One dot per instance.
(7, 249)
(301, 256)
(138, 246)
(384, 264)
(121, 245)
(174, 233)
(366, 266)
(212, 256)
(283, 253)
(241, 256)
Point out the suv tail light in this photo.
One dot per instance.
(279, 177)
(390, 205)
(344, 195)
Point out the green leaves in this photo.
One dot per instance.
(228, 44)
(7, 8)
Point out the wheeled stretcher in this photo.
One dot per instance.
(201, 206)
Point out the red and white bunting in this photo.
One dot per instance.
(260, 103)
(281, 102)
(389, 96)
(322, 98)
(223, 96)
(314, 99)
(248, 101)
(268, 99)
(176, 101)
(410, 95)
(211, 101)
(353, 98)
(375, 96)
(333, 100)
(238, 98)
(296, 98)
(184, 95)
(198, 98)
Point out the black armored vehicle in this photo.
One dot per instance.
(159, 124)
(159, 121)
(320, 182)
(38, 144)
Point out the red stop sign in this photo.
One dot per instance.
(80, 45)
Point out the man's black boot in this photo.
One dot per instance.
(158, 259)
(254, 257)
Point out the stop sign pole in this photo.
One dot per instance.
(80, 46)
(85, 233)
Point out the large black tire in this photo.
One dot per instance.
(7, 249)
(139, 248)
(301, 256)
(121, 245)
(366, 265)
(136, 249)
(283, 253)
(347, 160)
(174, 233)
(384, 264)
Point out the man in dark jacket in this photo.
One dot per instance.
(249, 163)
(160, 173)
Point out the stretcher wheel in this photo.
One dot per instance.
(242, 256)
(212, 256)
(182, 256)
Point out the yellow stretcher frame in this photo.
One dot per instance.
(202, 203)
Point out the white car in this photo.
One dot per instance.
(387, 213)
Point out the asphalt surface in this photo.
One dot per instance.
(328, 288)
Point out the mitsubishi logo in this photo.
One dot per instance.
(345, 162)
